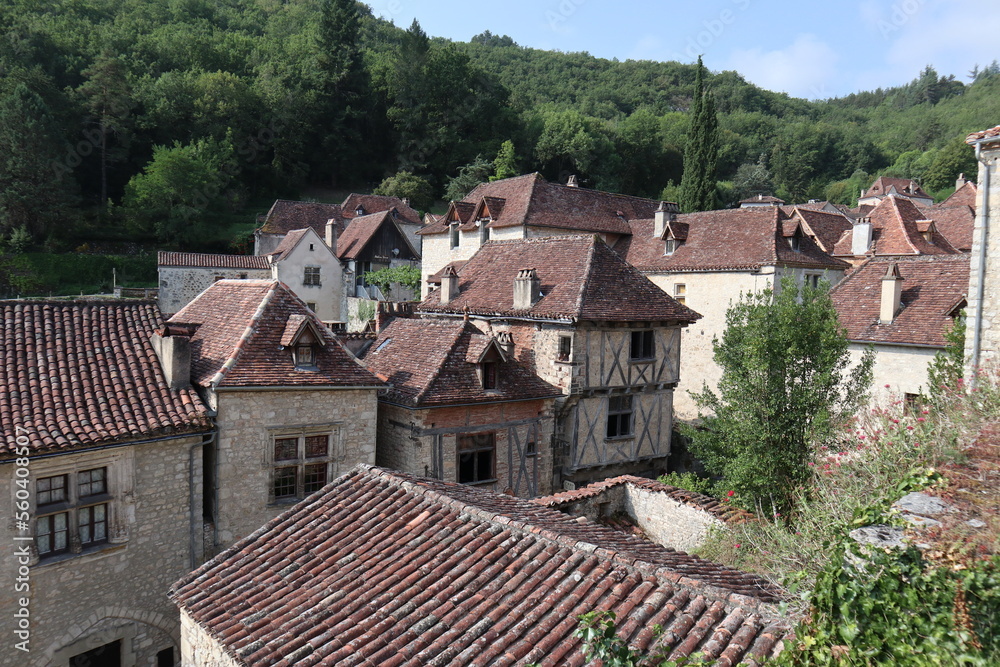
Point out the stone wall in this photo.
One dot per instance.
(249, 421)
(667, 521)
(987, 212)
(199, 648)
(179, 285)
(115, 591)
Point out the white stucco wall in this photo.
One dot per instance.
(898, 370)
(311, 251)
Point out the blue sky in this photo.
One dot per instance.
(807, 49)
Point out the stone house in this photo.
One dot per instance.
(407, 218)
(885, 186)
(896, 226)
(293, 409)
(461, 408)
(902, 306)
(955, 217)
(382, 567)
(302, 260)
(708, 260)
(101, 473)
(524, 207)
(582, 319)
(982, 340)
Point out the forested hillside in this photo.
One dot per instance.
(160, 121)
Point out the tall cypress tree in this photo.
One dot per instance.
(702, 151)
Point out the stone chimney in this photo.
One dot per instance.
(861, 236)
(331, 234)
(892, 290)
(449, 285)
(527, 289)
(506, 341)
(571, 182)
(172, 344)
(666, 212)
(962, 180)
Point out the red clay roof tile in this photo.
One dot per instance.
(895, 232)
(286, 215)
(377, 204)
(209, 261)
(932, 286)
(77, 374)
(238, 342)
(581, 279)
(381, 567)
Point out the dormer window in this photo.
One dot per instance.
(484, 231)
(793, 242)
(360, 210)
(302, 340)
(454, 234)
(304, 355)
(670, 246)
(488, 369)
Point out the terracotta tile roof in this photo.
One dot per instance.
(824, 227)
(381, 568)
(238, 342)
(377, 204)
(77, 374)
(726, 513)
(581, 279)
(955, 223)
(208, 261)
(895, 232)
(286, 215)
(984, 134)
(361, 230)
(456, 265)
(932, 286)
(963, 196)
(738, 239)
(904, 187)
(427, 363)
(762, 199)
(533, 201)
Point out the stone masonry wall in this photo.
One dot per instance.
(248, 421)
(179, 285)
(200, 648)
(987, 210)
(115, 591)
(667, 521)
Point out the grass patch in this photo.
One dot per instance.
(35, 274)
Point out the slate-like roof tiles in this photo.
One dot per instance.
(76, 374)
(238, 342)
(209, 261)
(826, 227)
(426, 362)
(381, 568)
(361, 230)
(932, 286)
(738, 239)
(581, 279)
(895, 232)
(963, 196)
(286, 215)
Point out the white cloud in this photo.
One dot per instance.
(802, 69)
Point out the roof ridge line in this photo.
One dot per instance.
(248, 333)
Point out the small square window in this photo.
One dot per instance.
(317, 446)
(311, 306)
(476, 454)
(304, 355)
(286, 449)
(311, 276)
(50, 490)
(643, 345)
(301, 465)
(92, 482)
(284, 483)
(315, 477)
(670, 246)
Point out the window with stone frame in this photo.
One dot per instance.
(476, 458)
(620, 421)
(300, 465)
(71, 511)
(565, 348)
(311, 276)
(454, 235)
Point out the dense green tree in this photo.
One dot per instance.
(785, 384)
(405, 185)
(469, 176)
(36, 178)
(505, 163)
(701, 151)
(108, 99)
(953, 159)
(171, 196)
(753, 179)
(945, 372)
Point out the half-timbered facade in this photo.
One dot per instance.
(372, 242)
(459, 408)
(585, 321)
